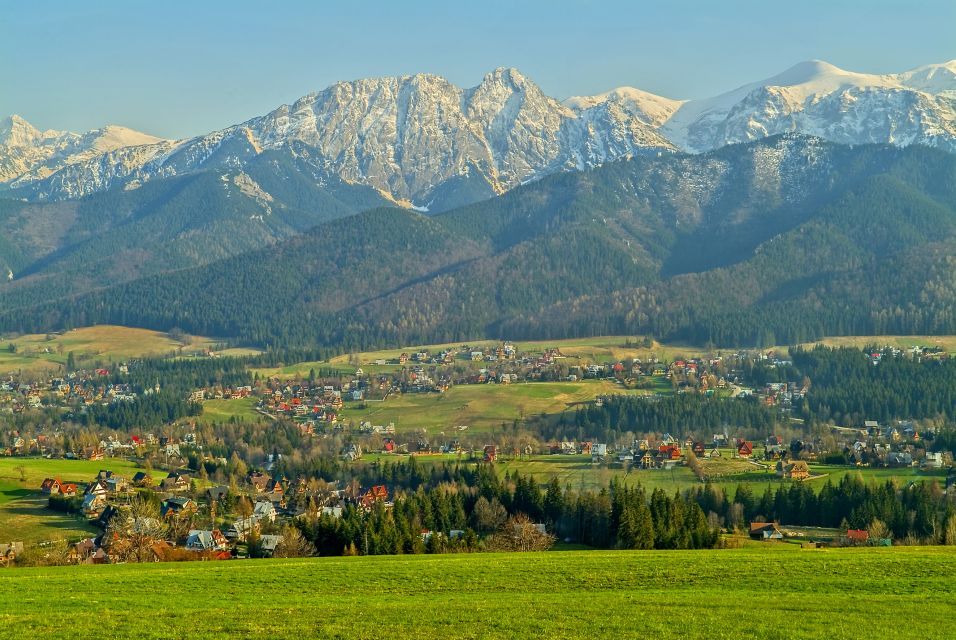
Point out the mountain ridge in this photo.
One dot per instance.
(426, 143)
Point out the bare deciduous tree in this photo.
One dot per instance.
(519, 534)
(134, 530)
(293, 544)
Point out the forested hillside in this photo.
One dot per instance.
(781, 240)
(65, 248)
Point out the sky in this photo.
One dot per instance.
(177, 69)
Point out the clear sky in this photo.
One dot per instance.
(178, 68)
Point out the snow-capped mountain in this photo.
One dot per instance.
(405, 136)
(425, 142)
(28, 154)
(819, 99)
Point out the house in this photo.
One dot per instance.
(598, 452)
(264, 510)
(50, 486)
(275, 487)
(241, 528)
(857, 536)
(378, 493)
(765, 531)
(933, 460)
(142, 479)
(200, 540)
(177, 506)
(746, 449)
(352, 452)
(797, 470)
(93, 504)
(97, 488)
(82, 552)
(116, 484)
(899, 459)
(259, 481)
(68, 489)
(215, 494)
(268, 544)
(176, 481)
(490, 453)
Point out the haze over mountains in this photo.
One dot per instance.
(817, 202)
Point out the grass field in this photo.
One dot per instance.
(765, 593)
(479, 407)
(23, 513)
(36, 353)
(223, 410)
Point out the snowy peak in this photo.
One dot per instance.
(819, 75)
(113, 137)
(28, 154)
(817, 98)
(932, 78)
(17, 132)
(651, 109)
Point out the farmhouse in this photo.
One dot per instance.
(212, 540)
(142, 479)
(797, 470)
(51, 486)
(268, 544)
(378, 493)
(765, 531)
(177, 506)
(857, 537)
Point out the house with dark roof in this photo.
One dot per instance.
(177, 506)
(765, 531)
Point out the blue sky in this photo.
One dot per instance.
(176, 68)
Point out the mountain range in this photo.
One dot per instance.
(817, 202)
(425, 143)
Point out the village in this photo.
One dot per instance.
(216, 505)
(203, 521)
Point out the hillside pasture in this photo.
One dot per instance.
(479, 407)
(47, 353)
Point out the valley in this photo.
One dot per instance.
(332, 322)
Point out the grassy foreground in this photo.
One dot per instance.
(746, 593)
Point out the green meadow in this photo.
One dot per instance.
(479, 407)
(765, 593)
